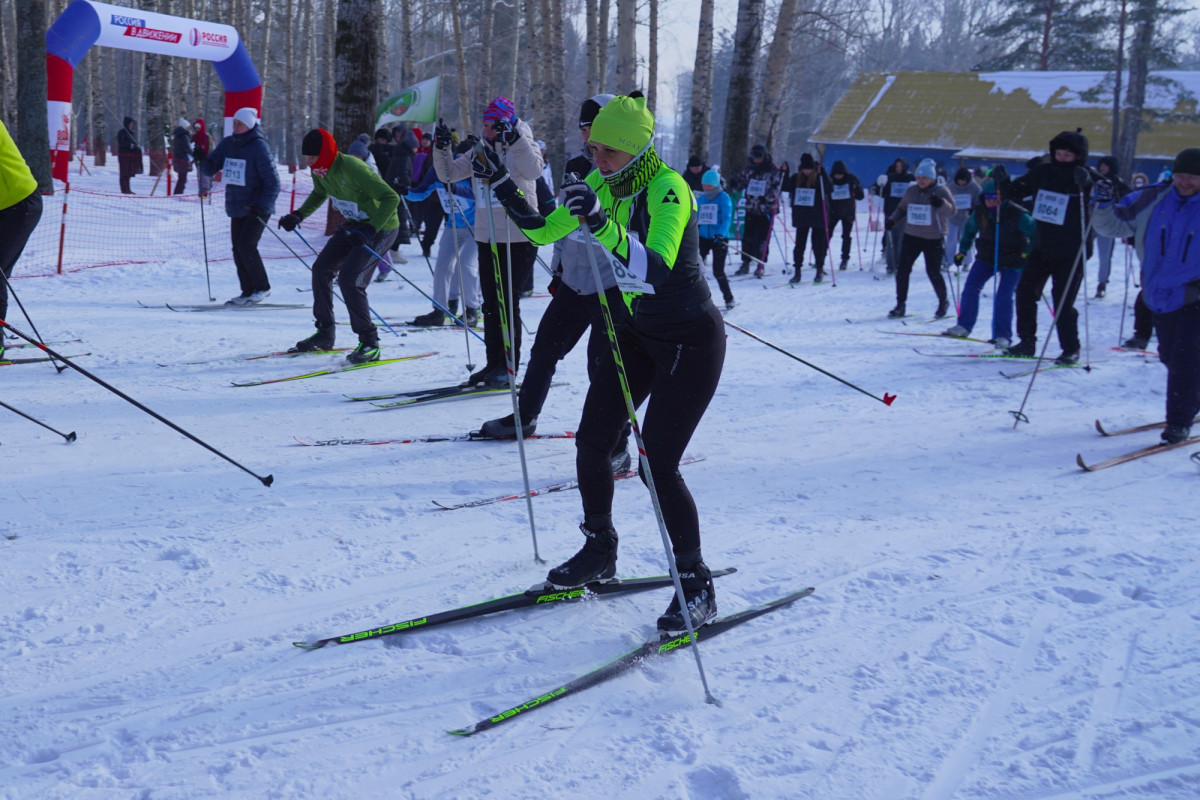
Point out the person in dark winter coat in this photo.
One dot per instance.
(381, 149)
(201, 147)
(1109, 167)
(181, 154)
(1061, 189)
(761, 181)
(694, 174)
(810, 188)
(1164, 220)
(399, 176)
(1001, 233)
(251, 188)
(129, 154)
(898, 181)
(966, 193)
(925, 209)
(844, 192)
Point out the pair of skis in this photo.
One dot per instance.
(343, 367)
(545, 595)
(1134, 455)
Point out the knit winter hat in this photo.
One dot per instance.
(926, 169)
(624, 124)
(1187, 162)
(988, 187)
(963, 174)
(758, 151)
(183, 123)
(712, 178)
(383, 133)
(806, 161)
(500, 109)
(695, 161)
(358, 148)
(1074, 141)
(247, 116)
(320, 143)
(591, 107)
(839, 168)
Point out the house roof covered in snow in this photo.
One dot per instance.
(999, 114)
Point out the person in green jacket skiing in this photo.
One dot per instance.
(20, 210)
(369, 207)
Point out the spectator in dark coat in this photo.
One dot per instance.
(845, 191)
(251, 188)
(201, 147)
(181, 154)
(129, 154)
(399, 176)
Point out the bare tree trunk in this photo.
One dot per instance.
(602, 45)
(32, 136)
(484, 87)
(595, 81)
(702, 84)
(95, 83)
(358, 62)
(464, 103)
(555, 127)
(1119, 67)
(626, 46)
(766, 111)
(1047, 26)
(1139, 71)
(408, 69)
(326, 109)
(652, 59)
(266, 46)
(741, 84)
(8, 66)
(287, 153)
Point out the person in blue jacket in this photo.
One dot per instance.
(252, 185)
(1164, 220)
(714, 234)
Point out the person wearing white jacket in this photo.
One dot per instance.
(511, 254)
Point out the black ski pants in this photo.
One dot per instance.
(16, 225)
(252, 274)
(677, 366)
(756, 238)
(719, 250)
(1056, 267)
(1179, 350)
(345, 258)
(498, 294)
(847, 222)
(820, 245)
(910, 248)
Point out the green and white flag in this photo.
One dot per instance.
(416, 103)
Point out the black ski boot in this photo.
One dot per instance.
(942, 309)
(434, 319)
(897, 312)
(323, 339)
(698, 593)
(1174, 434)
(1025, 348)
(506, 428)
(365, 353)
(597, 561)
(489, 377)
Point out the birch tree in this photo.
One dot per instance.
(31, 135)
(702, 84)
(766, 106)
(357, 67)
(626, 46)
(746, 39)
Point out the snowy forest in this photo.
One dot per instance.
(328, 62)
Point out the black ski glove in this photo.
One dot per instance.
(1102, 191)
(506, 131)
(889, 223)
(487, 166)
(1083, 178)
(289, 221)
(936, 201)
(442, 136)
(959, 258)
(581, 201)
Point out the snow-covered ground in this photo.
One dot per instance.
(989, 621)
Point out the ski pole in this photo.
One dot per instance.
(70, 437)
(644, 461)
(204, 239)
(9, 287)
(825, 226)
(887, 399)
(510, 356)
(266, 481)
(335, 294)
(1125, 302)
(462, 289)
(1019, 414)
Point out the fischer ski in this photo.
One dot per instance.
(224, 307)
(989, 354)
(437, 397)
(550, 488)
(539, 595)
(933, 335)
(436, 390)
(19, 344)
(1086, 368)
(451, 437)
(630, 659)
(276, 354)
(344, 367)
(1150, 426)
(1153, 449)
(8, 362)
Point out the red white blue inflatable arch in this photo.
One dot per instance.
(85, 23)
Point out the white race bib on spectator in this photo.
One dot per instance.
(756, 187)
(708, 214)
(920, 215)
(1051, 207)
(235, 171)
(805, 197)
(841, 192)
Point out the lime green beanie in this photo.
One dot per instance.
(624, 124)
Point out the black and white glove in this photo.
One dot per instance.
(581, 201)
(1083, 178)
(487, 166)
(289, 221)
(442, 136)
(506, 131)
(1102, 191)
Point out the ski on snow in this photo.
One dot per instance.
(628, 660)
(459, 393)
(16, 345)
(1151, 426)
(8, 362)
(1085, 367)
(344, 367)
(450, 437)
(540, 595)
(224, 307)
(933, 335)
(550, 488)
(260, 356)
(1153, 449)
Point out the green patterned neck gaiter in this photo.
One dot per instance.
(635, 175)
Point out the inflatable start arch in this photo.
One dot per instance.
(85, 23)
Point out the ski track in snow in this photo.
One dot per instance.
(989, 621)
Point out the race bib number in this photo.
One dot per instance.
(708, 214)
(804, 197)
(235, 171)
(444, 196)
(1051, 207)
(962, 201)
(756, 187)
(841, 192)
(898, 189)
(626, 280)
(920, 215)
(348, 209)
(485, 195)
